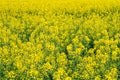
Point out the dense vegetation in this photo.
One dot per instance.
(60, 40)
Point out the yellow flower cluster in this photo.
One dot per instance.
(59, 39)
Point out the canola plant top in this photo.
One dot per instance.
(68, 4)
(59, 39)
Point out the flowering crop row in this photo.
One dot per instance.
(59, 40)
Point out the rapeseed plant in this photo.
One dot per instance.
(60, 40)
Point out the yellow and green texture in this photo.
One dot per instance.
(59, 39)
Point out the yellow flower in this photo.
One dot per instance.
(50, 46)
(6, 39)
(76, 40)
(62, 60)
(69, 47)
(59, 74)
(61, 71)
(78, 50)
(87, 39)
(11, 74)
(33, 72)
(114, 55)
(75, 75)
(47, 66)
(1, 24)
(114, 71)
(68, 78)
(56, 76)
(112, 74)
(5, 50)
(97, 78)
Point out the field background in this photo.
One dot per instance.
(59, 39)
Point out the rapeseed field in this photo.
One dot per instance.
(59, 39)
